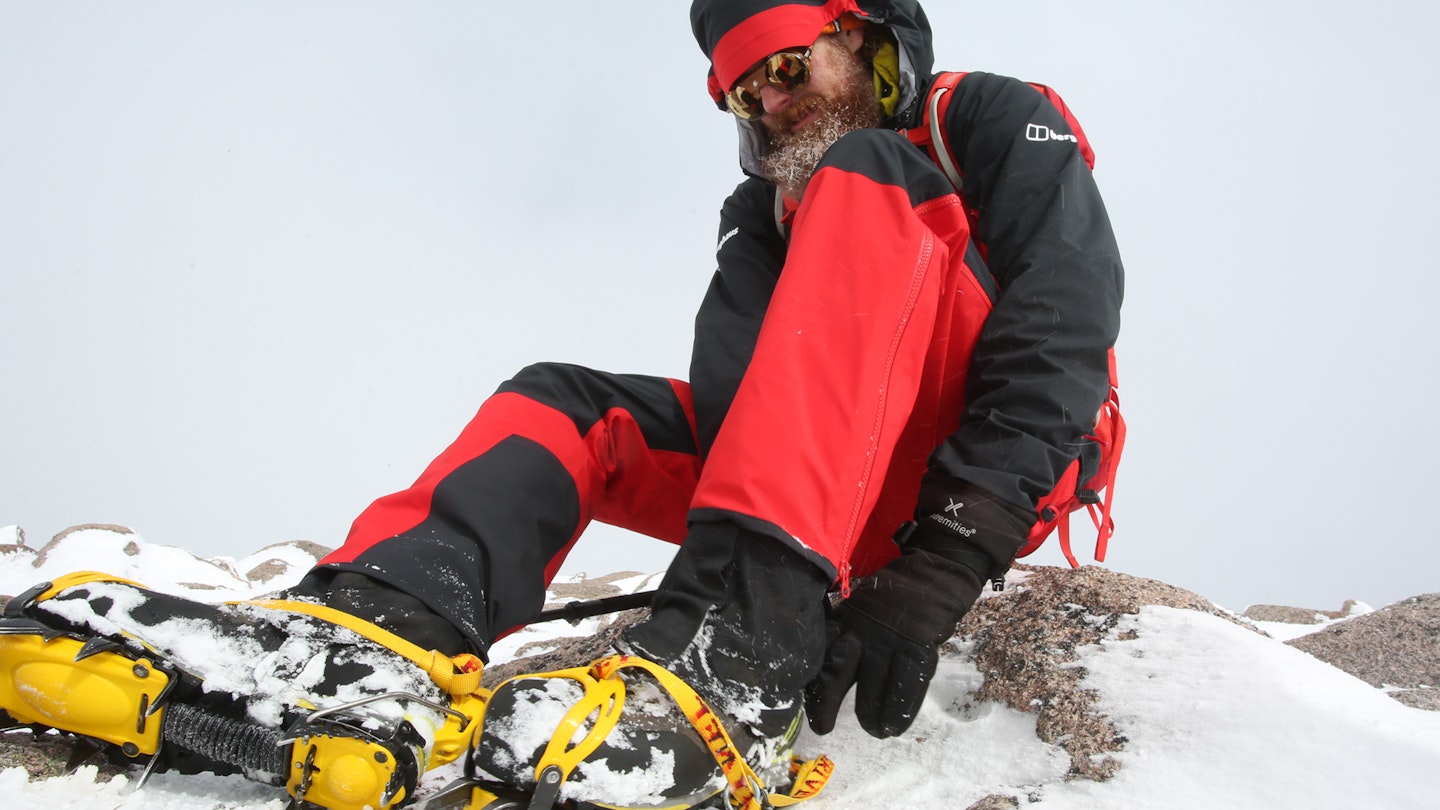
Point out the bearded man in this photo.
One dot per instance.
(876, 351)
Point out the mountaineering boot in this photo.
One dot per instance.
(737, 629)
(289, 691)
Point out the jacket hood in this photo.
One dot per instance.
(736, 34)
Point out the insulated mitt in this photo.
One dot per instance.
(886, 636)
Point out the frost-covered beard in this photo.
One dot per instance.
(794, 155)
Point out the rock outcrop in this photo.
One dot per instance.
(1395, 648)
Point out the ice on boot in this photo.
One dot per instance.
(651, 757)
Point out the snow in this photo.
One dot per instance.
(127, 555)
(1342, 742)
(1214, 715)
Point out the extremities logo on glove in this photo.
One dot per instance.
(953, 524)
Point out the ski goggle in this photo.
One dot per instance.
(789, 71)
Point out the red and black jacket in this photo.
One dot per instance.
(1040, 369)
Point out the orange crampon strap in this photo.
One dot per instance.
(744, 788)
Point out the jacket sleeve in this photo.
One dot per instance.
(749, 254)
(1040, 371)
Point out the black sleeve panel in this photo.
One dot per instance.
(750, 254)
(586, 396)
(1040, 370)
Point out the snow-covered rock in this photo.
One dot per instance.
(121, 552)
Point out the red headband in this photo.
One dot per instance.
(775, 29)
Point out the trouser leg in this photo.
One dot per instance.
(859, 368)
(486, 526)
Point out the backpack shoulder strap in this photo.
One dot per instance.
(931, 132)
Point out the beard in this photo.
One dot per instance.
(793, 155)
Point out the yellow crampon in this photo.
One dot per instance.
(96, 693)
(109, 691)
(102, 689)
(605, 698)
(81, 685)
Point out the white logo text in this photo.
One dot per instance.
(1041, 133)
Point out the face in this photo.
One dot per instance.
(838, 99)
(834, 69)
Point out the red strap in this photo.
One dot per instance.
(1110, 425)
(1109, 433)
(1110, 413)
(920, 136)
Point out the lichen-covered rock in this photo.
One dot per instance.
(1396, 648)
(1285, 614)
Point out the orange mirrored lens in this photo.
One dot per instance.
(787, 70)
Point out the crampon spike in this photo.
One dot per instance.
(82, 751)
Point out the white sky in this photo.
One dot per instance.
(262, 261)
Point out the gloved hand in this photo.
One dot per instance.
(887, 635)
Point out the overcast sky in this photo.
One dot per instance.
(263, 260)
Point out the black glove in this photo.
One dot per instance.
(887, 635)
